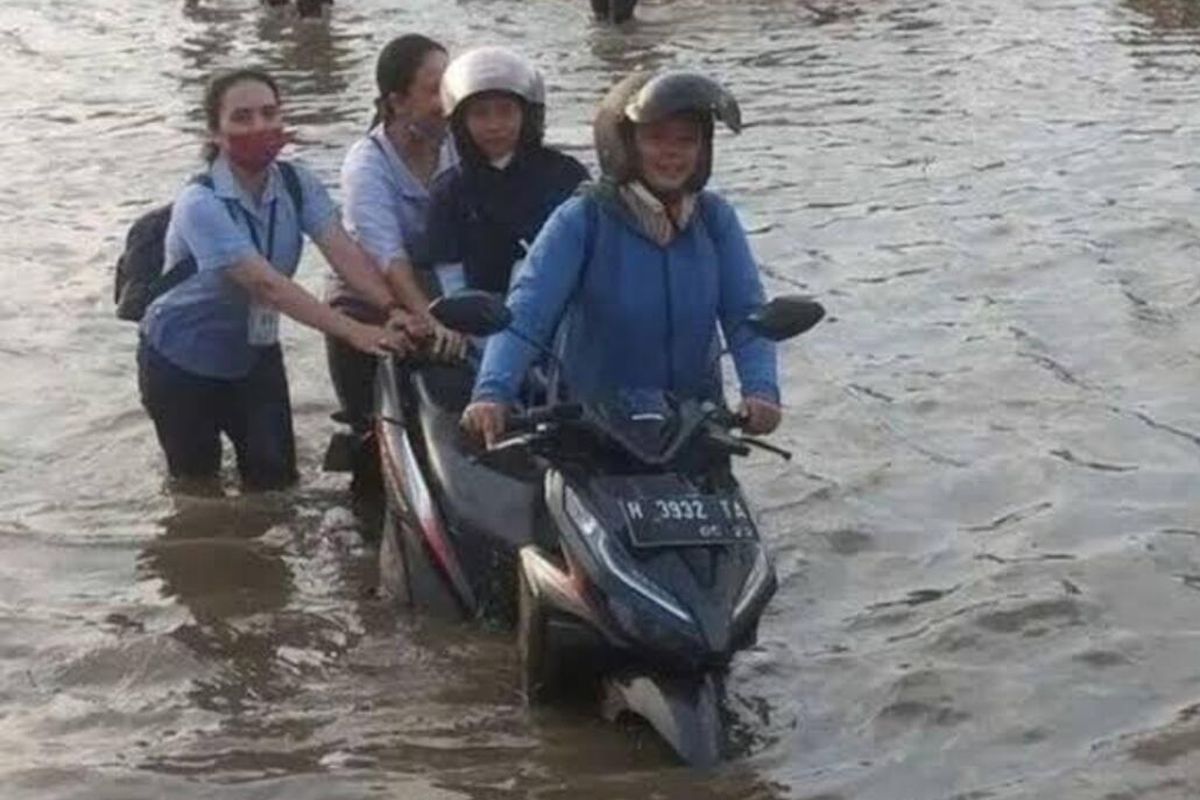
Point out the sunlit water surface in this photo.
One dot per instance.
(988, 545)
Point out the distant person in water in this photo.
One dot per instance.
(614, 10)
(304, 8)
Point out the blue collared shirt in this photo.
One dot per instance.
(202, 325)
(385, 203)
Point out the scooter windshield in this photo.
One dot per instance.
(644, 421)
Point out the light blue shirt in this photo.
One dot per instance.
(385, 203)
(203, 324)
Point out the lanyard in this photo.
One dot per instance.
(270, 251)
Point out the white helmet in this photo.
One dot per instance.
(491, 69)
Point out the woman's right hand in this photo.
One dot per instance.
(378, 340)
(485, 421)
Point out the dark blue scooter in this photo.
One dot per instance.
(613, 533)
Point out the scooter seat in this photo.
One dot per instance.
(476, 499)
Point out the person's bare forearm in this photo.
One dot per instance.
(353, 264)
(269, 288)
(403, 282)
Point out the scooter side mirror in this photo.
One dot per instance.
(785, 316)
(473, 312)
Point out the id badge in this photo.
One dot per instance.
(264, 326)
(451, 278)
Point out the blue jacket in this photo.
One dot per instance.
(478, 214)
(636, 315)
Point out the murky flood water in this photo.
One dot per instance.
(989, 545)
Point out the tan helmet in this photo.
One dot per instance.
(645, 97)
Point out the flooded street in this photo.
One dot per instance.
(988, 544)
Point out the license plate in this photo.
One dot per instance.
(687, 520)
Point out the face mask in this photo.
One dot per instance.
(424, 129)
(255, 151)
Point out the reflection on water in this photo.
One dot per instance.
(312, 58)
(1168, 14)
(212, 559)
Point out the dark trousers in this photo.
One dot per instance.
(190, 413)
(353, 371)
(353, 374)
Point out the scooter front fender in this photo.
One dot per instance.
(684, 710)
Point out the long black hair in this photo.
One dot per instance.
(397, 68)
(214, 96)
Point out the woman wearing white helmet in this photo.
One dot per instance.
(485, 211)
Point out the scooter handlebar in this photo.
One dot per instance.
(532, 418)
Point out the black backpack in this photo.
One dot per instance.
(140, 277)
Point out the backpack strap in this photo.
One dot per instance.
(704, 208)
(591, 207)
(185, 268)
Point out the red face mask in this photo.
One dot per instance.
(255, 151)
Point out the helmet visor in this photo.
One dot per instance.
(682, 92)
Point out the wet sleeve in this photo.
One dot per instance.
(540, 293)
(372, 204)
(319, 209)
(741, 292)
(205, 226)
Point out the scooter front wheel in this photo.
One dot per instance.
(541, 663)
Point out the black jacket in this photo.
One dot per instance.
(478, 215)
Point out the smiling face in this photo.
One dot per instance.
(669, 151)
(493, 122)
(420, 104)
(248, 106)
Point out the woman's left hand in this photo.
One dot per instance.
(762, 416)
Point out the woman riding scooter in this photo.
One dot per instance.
(644, 267)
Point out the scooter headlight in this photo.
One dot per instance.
(755, 581)
(615, 559)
